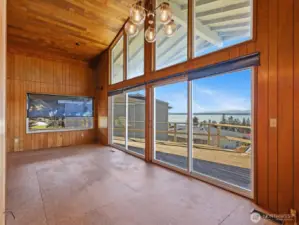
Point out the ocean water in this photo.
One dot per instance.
(182, 118)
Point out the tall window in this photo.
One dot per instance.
(128, 121)
(214, 135)
(56, 113)
(136, 121)
(136, 54)
(222, 127)
(172, 50)
(221, 24)
(117, 66)
(170, 113)
(119, 120)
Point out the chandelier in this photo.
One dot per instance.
(137, 17)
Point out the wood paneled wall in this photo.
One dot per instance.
(296, 105)
(2, 109)
(101, 72)
(48, 76)
(276, 37)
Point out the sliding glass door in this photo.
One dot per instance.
(222, 127)
(128, 121)
(136, 121)
(204, 127)
(119, 120)
(170, 126)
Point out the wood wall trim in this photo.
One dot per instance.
(37, 75)
(296, 106)
(2, 110)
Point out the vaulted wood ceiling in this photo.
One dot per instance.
(55, 26)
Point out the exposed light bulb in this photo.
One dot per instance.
(131, 29)
(165, 13)
(170, 28)
(150, 34)
(137, 14)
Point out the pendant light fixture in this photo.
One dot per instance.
(137, 17)
(169, 28)
(165, 13)
(131, 29)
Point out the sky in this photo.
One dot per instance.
(230, 91)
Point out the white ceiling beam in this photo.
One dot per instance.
(229, 22)
(200, 30)
(223, 14)
(206, 5)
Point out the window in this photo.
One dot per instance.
(173, 50)
(136, 54)
(220, 141)
(128, 121)
(170, 119)
(119, 120)
(222, 127)
(117, 56)
(53, 112)
(136, 121)
(220, 25)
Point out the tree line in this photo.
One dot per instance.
(230, 120)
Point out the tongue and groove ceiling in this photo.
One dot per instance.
(55, 26)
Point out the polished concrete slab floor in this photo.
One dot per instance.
(97, 185)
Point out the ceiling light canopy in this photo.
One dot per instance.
(137, 17)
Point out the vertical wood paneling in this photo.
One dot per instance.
(272, 85)
(101, 77)
(296, 105)
(285, 105)
(36, 75)
(262, 104)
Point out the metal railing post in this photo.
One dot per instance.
(209, 134)
(218, 136)
(175, 137)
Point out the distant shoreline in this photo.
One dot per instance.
(214, 113)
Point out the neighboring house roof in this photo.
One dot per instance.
(134, 98)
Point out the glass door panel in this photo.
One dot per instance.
(119, 120)
(222, 127)
(136, 121)
(170, 126)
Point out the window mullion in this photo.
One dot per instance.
(190, 45)
(190, 127)
(127, 118)
(125, 55)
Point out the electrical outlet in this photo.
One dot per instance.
(82, 135)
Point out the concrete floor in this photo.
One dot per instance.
(94, 185)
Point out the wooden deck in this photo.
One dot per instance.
(202, 152)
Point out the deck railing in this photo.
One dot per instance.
(173, 129)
